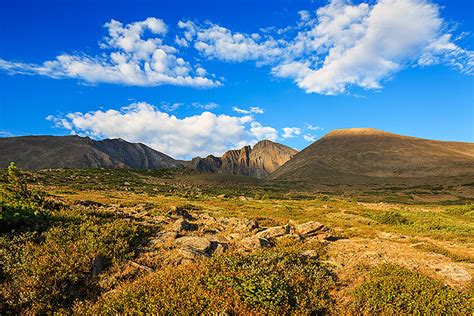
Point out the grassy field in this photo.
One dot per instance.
(79, 241)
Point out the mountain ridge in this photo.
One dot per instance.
(261, 160)
(54, 152)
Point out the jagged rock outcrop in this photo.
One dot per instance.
(264, 158)
(54, 152)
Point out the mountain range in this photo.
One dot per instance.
(341, 156)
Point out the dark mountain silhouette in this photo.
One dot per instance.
(44, 152)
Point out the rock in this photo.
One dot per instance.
(308, 229)
(98, 265)
(274, 232)
(254, 242)
(179, 212)
(183, 225)
(218, 248)
(310, 253)
(453, 272)
(248, 225)
(88, 203)
(193, 243)
(162, 239)
(234, 237)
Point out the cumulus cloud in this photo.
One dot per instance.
(332, 50)
(197, 135)
(217, 42)
(289, 132)
(263, 132)
(342, 45)
(128, 58)
(253, 109)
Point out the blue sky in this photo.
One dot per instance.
(191, 78)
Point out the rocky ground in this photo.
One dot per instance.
(182, 237)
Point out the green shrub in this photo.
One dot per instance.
(393, 290)
(389, 218)
(268, 282)
(53, 269)
(19, 206)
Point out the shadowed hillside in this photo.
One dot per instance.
(43, 152)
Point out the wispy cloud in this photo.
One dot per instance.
(205, 106)
(309, 138)
(289, 132)
(254, 109)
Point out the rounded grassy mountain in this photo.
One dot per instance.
(362, 153)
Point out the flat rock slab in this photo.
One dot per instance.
(274, 232)
(193, 243)
(453, 272)
(309, 228)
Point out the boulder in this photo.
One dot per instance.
(176, 211)
(193, 243)
(274, 232)
(218, 248)
(254, 242)
(183, 225)
(162, 239)
(98, 265)
(309, 228)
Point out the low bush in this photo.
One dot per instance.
(21, 207)
(389, 218)
(268, 282)
(47, 271)
(393, 290)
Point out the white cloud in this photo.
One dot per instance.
(253, 109)
(128, 59)
(289, 132)
(217, 42)
(304, 15)
(263, 132)
(343, 45)
(309, 138)
(314, 128)
(5, 134)
(329, 51)
(203, 134)
(170, 107)
(205, 106)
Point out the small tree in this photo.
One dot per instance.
(18, 204)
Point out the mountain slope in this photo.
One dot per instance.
(264, 158)
(361, 153)
(43, 152)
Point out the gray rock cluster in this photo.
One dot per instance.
(187, 237)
